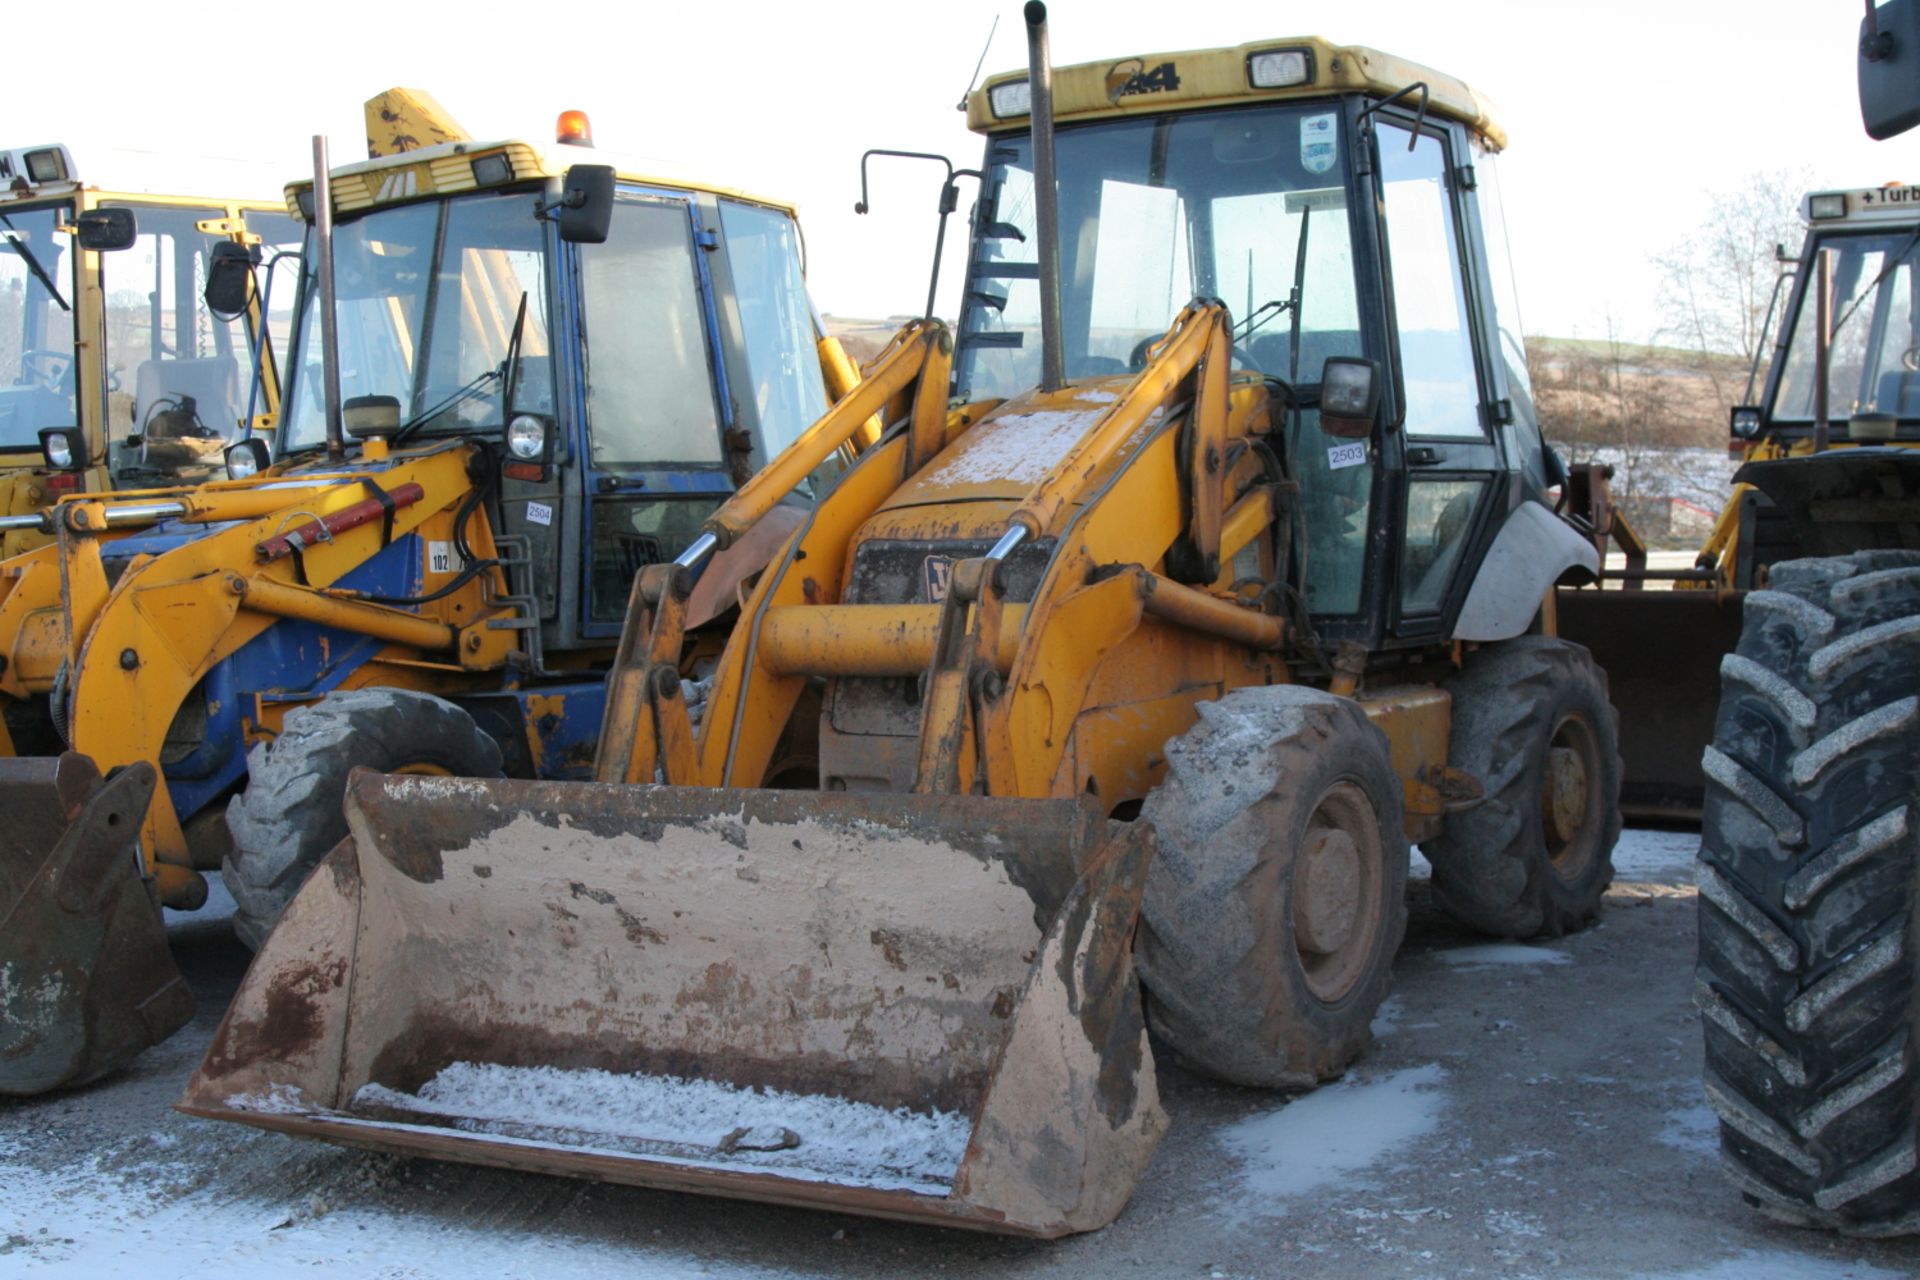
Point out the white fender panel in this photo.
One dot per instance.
(1531, 552)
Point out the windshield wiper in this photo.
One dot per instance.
(33, 263)
(474, 386)
(1264, 312)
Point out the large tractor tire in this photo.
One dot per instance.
(290, 814)
(1277, 897)
(1534, 857)
(1808, 898)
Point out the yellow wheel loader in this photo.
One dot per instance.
(1144, 659)
(114, 371)
(549, 372)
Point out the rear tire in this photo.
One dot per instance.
(1808, 862)
(1532, 721)
(1277, 897)
(291, 814)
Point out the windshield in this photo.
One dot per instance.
(1875, 364)
(427, 300)
(1246, 205)
(179, 377)
(36, 325)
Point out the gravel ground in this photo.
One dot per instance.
(1526, 1111)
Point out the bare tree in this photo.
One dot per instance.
(1718, 279)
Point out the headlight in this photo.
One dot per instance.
(1745, 422)
(1829, 205)
(527, 437)
(1014, 98)
(1279, 68)
(59, 451)
(241, 463)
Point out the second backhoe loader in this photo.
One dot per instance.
(1153, 666)
(554, 369)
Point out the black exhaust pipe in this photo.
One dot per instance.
(1053, 364)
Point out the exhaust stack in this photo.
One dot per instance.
(1053, 364)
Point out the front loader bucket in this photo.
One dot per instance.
(1661, 651)
(86, 981)
(913, 1007)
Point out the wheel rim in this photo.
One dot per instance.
(423, 770)
(1336, 891)
(1570, 800)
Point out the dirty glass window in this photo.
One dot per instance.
(1429, 292)
(36, 326)
(789, 392)
(650, 391)
(1439, 517)
(428, 297)
(1875, 361)
(174, 371)
(1247, 205)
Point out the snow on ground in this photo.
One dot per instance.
(1694, 1129)
(1655, 855)
(1781, 1265)
(1487, 954)
(799, 1135)
(110, 1217)
(1333, 1136)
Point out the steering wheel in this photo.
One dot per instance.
(1137, 359)
(55, 365)
(1910, 359)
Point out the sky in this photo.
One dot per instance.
(1623, 118)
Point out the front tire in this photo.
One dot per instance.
(1532, 721)
(291, 814)
(1808, 863)
(1277, 897)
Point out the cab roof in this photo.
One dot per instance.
(1150, 83)
(448, 168)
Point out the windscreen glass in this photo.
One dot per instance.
(1875, 365)
(36, 325)
(430, 300)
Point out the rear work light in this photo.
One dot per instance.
(1279, 68)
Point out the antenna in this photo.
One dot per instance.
(962, 104)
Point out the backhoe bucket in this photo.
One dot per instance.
(1661, 651)
(912, 1007)
(86, 981)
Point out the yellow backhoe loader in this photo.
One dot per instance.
(554, 369)
(116, 372)
(1151, 656)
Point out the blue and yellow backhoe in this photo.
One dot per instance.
(541, 372)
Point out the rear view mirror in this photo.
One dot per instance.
(106, 230)
(1890, 68)
(229, 279)
(1349, 396)
(585, 208)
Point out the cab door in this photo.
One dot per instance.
(654, 457)
(1448, 459)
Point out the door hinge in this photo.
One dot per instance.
(708, 240)
(1500, 412)
(1464, 175)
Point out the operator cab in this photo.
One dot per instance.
(1871, 237)
(1343, 203)
(628, 374)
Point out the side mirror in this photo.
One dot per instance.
(229, 279)
(1890, 68)
(247, 457)
(1743, 422)
(64, 448)
(585, 208)
(1349, 396)
(107, 230)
